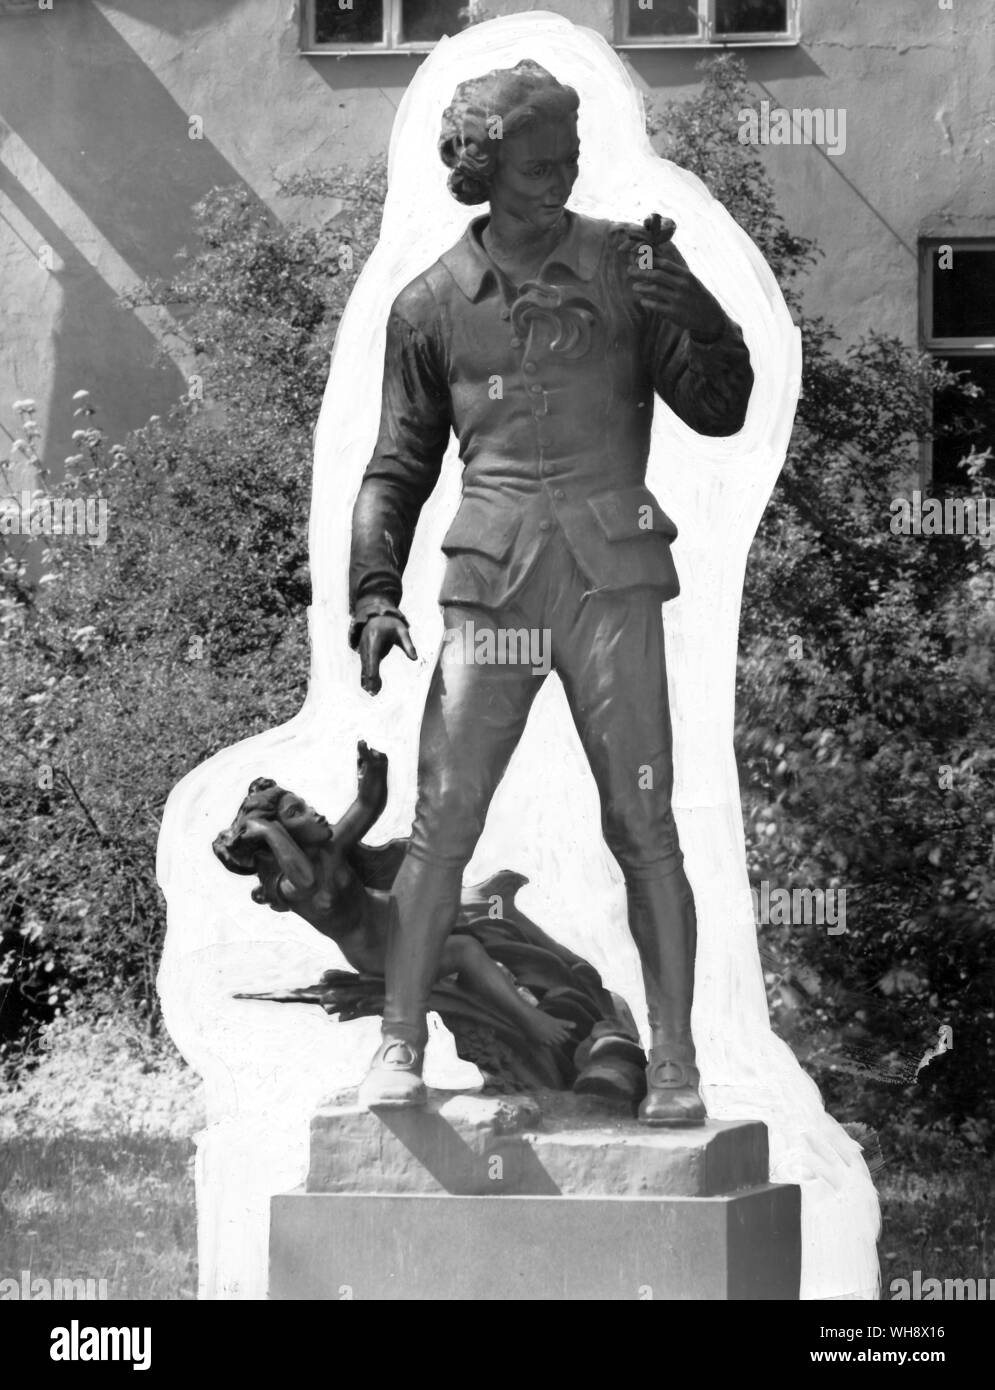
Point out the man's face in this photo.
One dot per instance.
(536, 170)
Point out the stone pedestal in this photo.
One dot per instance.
(552, 1197)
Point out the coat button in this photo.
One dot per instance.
(536, 389)
(530, 368)
(559, 494)
(545, 525)
(516, 342)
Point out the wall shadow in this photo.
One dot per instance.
(100, 346)
(362, 72)
(112, 137)
(676, 67)
(184, 17)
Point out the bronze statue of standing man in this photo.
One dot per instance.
(540, 338)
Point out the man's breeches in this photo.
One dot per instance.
(608, 650)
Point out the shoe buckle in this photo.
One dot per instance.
(398, 1056)
(667, 1075)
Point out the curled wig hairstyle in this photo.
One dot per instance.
(232, 846)
(241, 852)
(486, 109)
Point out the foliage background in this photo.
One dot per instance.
(865, 715)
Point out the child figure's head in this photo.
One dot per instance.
(275, 835)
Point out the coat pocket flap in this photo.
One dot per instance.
(485, 528)
(633, 511)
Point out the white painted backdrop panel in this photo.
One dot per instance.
(266, 1066)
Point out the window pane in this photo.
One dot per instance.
(751, 16)
(959, 423)
(361, 24)
(662, 18)
(424, 21)
(964, 295)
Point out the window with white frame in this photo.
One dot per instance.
(958, 327)
(347, 26)
(652, 23)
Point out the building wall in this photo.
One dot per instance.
(98, 173)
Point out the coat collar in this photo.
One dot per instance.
(473, 270)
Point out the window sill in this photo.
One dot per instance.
(775, 41)
(958, 347)
(418, 50)
(370, 50)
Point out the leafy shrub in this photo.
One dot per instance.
(103, 1076)
(865, 702)
(129, 663)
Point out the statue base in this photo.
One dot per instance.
(531, 1198)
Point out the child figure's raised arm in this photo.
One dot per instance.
(371, 798)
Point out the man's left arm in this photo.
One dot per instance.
(695, 354)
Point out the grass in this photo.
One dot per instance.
(939, 1224)
(96, 1162)
(96, 1173)
(77, 1206)
(123, 1210)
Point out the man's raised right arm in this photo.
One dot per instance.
(414, 432)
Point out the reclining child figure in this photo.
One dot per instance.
(527, 1011)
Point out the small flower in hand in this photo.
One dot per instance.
(671, 289)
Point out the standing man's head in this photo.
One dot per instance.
(510, 138)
